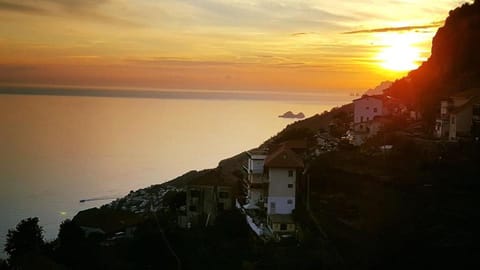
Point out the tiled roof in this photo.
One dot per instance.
(467, 105)
(379, 97)
(469, 93)
(298, 146)
(283, 158)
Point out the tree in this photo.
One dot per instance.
(26, 238)
(3, 265)
(71, 243)
(70, 233)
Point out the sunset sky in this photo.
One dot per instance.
(309, 45)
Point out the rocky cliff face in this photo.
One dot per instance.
(453, 66)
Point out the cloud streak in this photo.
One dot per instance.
(14, 7)
(397, 29)
(81, 9)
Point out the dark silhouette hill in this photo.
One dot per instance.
(454, 64)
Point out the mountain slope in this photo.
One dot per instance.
(453, 66)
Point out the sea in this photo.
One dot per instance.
(60, 147)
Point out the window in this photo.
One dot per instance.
(290, 202)
(290, 185)
(476, 110)
(375, 110)
(223, 195)
(272, 207)
(290, 173)
(283, 227)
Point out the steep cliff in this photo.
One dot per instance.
(454, 64)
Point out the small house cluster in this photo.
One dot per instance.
(459, 116)
(143, 201)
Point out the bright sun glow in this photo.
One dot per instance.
(399, 52)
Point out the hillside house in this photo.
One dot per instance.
(459, 116)
(206, 197)
(283, 168)
(272, 179)
(366, 109)
(371, 113)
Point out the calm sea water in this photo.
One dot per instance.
(57, 150)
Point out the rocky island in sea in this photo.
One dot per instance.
(290, 114)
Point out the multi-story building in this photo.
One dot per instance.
(272, 181)
(284, 168)
(459, 116)
(206, 197)
(256, 181)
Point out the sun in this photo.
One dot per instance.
(399, 52)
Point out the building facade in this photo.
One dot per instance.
(206, 198)
(367, 108)
(256, 180)
(459, 116)
(284, 167)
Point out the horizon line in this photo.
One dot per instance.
(112, 92)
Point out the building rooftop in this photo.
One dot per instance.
(469, 93)
(466, 105)
(379, 97)
(283, 158)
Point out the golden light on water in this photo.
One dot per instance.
(399, 51)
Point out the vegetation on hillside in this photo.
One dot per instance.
(454, 64)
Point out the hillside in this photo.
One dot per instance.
(454, 64)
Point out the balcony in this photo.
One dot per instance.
(257, 179)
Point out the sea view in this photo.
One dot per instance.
(57, 150)
(239, 135)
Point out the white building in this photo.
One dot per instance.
(368, 110)
(256, 161)
(256, 182)
(283, 167)
(367, 107)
